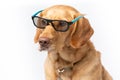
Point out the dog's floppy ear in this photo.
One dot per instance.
(81, 34)
(38, 32)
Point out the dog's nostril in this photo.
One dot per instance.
(40, 41)
(45, 42)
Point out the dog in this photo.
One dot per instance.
(65, 33)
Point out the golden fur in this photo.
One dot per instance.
(71, 49)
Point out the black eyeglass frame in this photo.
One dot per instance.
(50, 21)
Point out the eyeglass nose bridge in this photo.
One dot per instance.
(49, 22)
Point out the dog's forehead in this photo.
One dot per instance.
(59, 12)
(53, 13)
(56, 12)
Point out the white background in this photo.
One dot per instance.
(19, 57)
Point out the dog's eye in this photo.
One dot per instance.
(62, 23)
(44, 22)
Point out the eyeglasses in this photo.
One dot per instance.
(58, 25)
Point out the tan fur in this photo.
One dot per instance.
(71, 48)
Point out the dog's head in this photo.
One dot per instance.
(61, 25)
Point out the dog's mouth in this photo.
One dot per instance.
(47, 48)
(43, 48)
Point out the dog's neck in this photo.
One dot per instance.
(73, 55)
(68, 54)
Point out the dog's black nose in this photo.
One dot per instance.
(44, 42)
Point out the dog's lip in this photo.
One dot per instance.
(43, 48)
(46, 48)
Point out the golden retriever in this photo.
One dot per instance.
(71, 54)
